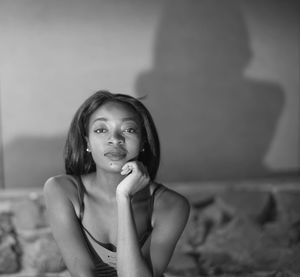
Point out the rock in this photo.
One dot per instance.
(288, 203)
(290, 261)
(200, 200)
(182, 265)
(247, 202)
(268, 256)
(9, 259)
(9, 250)
(6, 225)
(41, 253)
(226, 247)
(28, 214)
(242, 246)
(5, 206)
(204, 218)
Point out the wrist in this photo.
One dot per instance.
(122, 196)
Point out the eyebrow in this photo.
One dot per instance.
(104, 119)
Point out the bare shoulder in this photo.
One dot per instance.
(61, 187)
(168, 202)
(60, 183)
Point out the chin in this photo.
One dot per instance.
(115, 166)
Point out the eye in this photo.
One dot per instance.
(100, 130)
(130, 130)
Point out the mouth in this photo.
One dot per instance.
(116, 155)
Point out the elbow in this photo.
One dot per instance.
(83, 273)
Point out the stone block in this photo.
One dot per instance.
(40, 252)
(231, 244)
(193, 233)
(204, 218)
(251, 203)
(182, 265)
(6, 225)
(268, 256)
(288, 205)
(243, 246)
(291, 262)
(200, 198)
(9, 258)
(5, 206)
(9, 250)
(29, 213)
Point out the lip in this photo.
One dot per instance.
(116, 155)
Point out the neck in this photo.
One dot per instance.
(108, 182)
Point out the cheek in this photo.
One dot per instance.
(96, 142)
(134, 146)
(97, 157)
(97, 149)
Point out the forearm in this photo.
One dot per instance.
(131, 262)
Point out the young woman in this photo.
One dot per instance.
(108, 215)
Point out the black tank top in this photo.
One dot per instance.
(105, 257)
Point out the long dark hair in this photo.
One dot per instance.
(79, 162)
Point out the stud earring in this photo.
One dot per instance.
(88, 150)
(143, 150)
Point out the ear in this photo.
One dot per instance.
(88, 146)
(142, 146)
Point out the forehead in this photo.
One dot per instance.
(115, 111)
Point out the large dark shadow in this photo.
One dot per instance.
(30, 161)
(214, 122)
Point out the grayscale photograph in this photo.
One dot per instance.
(149, 138)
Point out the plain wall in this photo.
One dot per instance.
(221, 79)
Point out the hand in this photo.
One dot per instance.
(137, 178)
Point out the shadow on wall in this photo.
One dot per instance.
(32, 160)
(214, 122)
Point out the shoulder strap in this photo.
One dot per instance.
(107, 246)
(157, 190)
(146, 234)
(80, 192)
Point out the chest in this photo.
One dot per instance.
(101, 220)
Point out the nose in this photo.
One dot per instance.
(116, 138)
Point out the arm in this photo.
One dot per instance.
(170, 216)
(131, 262)
(65, 227)
(171, 212)
(130, 259)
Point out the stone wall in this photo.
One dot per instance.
(27, 247)
(249, 228)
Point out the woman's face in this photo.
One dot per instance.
(114, 136)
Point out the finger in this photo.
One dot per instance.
(124, 166)
(128, 164)
(132, 166)
(126, 170)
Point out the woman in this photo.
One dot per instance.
(108, 215)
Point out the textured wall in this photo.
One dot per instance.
(216, 85)
(221, 79)
(249, 228)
